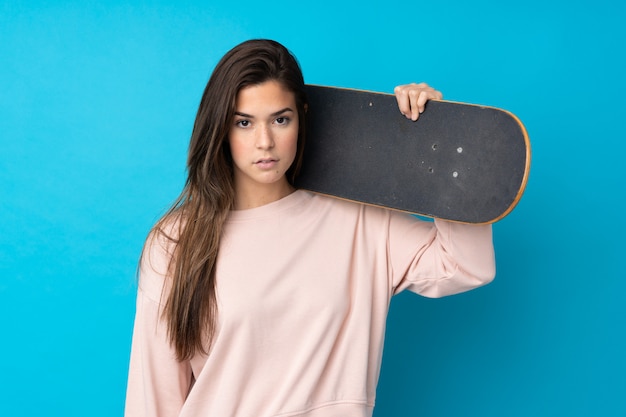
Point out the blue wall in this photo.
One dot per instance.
(96, 107)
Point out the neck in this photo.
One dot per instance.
(260, 195)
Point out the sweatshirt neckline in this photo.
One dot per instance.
(270, 209)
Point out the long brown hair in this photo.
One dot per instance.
(199, 213)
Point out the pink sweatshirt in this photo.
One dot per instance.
(304, 286)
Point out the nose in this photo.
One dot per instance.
(264, 138)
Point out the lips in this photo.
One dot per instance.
(266, 163)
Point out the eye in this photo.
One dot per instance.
(282, 120)
(242, 123)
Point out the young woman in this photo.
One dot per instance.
(256, 299)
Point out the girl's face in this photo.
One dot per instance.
(263, 139)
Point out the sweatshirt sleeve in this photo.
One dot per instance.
(439, 258)
(158, 383)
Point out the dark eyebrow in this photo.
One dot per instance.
(278, 113)
(285, 110)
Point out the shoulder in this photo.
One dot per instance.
(366, 215)
(362, 209)
(335, 203)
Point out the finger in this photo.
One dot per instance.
(417, 100)
(402, 97)
(421, 97)
(422, 100)
(404, 94)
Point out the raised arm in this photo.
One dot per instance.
(439, 258)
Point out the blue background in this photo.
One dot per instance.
(97, 101)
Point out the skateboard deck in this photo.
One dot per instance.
(458, 162)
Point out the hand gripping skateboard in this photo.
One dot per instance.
(458, 162)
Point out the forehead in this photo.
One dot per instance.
(265, 97)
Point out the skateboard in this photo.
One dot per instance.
(459, 162)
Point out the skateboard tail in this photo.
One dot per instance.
(526, 170)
